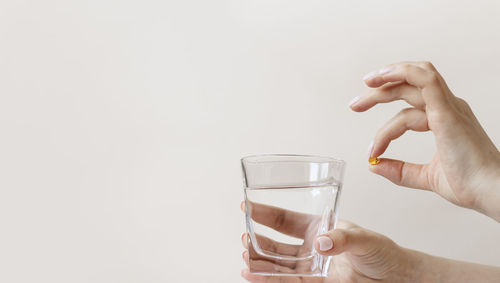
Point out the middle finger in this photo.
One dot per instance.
(388, 93)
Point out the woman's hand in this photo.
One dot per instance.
(466, 168)
(360, 255)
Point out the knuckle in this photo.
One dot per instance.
(404, 112)
(341, 237)
(428, 65)
(464, 104)
(360, 233)
(279, 220)
(406, 67)
(462, 101)
(432, 78)
(345, 224)
(273, 247)
(400, 176)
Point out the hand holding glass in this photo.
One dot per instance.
(289, 200)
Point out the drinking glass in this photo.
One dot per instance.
(289, 201)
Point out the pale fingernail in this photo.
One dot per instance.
(384, 71)
(370, 149)
(370, 75)
(325, 243)
(244, 240)
(354, 100)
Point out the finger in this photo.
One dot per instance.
(374, 76)
(357, 241)
(388, 93)
(403, 173)
(255, 278)
(246, 258)
(429, 81)
(244, 240)
(254, 257)
(285, 221)
(344, 224)
(407, 119)
(408, 72)
(425, 65)
(271, 246)
(263, 266)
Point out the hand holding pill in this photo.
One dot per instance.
(464, 169)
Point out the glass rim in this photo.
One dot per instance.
(255, 158)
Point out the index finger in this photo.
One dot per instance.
(428, 80)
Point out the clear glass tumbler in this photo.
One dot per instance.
(289, 200)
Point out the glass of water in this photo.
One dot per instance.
(289, 201)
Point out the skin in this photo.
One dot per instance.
(360, 255)
(464, 171)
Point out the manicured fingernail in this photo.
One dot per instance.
(354, 100)
(370, 75)
(370, 149)
(384, 71)
(244, 240)
(325, 243)
(242, 206)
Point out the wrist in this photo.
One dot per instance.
(422, 267)
(433, 269)
(495, 205)
(489, 203)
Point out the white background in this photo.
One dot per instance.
(122, 124)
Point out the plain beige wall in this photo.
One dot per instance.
(122, 124)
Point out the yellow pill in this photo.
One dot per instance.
(373, 160)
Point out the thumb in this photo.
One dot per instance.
(402, 173)
(356, 241)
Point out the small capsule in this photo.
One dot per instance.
(373, 160)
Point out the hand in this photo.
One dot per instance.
(465, 169)
(360, 255)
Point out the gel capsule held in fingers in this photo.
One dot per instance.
(373, 160)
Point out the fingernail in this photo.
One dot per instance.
(384, 71)
(325, 243)
(370, 149)
(354, 100)
(242, 206)
(370, 75)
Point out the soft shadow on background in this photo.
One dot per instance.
(122, 124)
